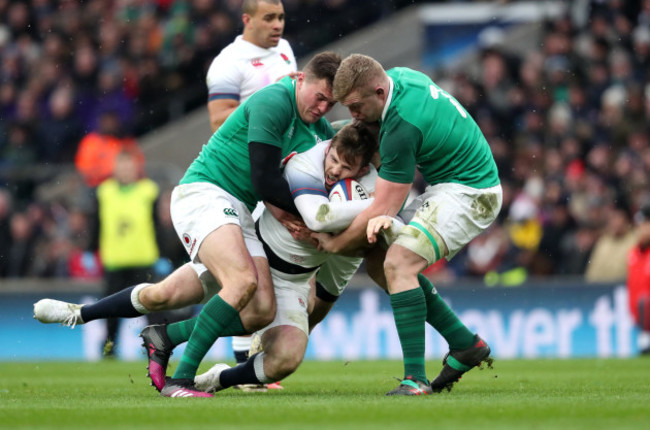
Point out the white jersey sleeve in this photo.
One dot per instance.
(224, 79)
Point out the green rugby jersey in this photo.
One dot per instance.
(424, 126)
(269, 116)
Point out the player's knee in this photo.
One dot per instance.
(249, 285)
(156, 297)
(264, 304)
(283, 364)
(242, 287)
(391, 266)
(266, 318)
(257, 321)
(263, 307)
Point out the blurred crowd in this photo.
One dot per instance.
(568, 123)
(76, 73)
(569, 127)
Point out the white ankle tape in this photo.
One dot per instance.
(135, 301)
(258, 364)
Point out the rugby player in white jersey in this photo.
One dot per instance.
(256, 58)
(293, 262)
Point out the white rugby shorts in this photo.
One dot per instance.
(292, 298)
(199, 208)
(336, 272)
(456, 213)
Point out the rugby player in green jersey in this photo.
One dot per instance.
(424, 127)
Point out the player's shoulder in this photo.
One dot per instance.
(405, 72)
(237, 51)
(275, 98)
(281, 89)
(310, 161)
(409, 82)
(227, 62)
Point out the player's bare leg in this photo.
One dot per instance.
(225, 255)
(283, 350)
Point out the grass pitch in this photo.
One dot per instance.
(517, 394)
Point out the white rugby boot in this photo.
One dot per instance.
(209, 381)
(50, 311)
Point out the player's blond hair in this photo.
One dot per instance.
(357, 72)
(250, 6)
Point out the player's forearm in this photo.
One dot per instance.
(267, 178)
(355, 237)
(336, 216)
(321, 215)
(352, 238)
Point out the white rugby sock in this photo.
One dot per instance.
(135, 300)
(259, 369)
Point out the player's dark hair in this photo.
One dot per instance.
(323, 66)
(355, 140)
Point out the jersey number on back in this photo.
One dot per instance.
(436, 92)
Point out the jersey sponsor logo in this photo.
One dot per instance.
(256, 62)
(230, 212)
(285, 58)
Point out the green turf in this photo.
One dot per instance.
(517, 394)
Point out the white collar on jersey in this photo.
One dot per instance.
(252, 48)
(388, 98)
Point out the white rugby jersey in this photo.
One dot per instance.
(306, 177)
(242, 68)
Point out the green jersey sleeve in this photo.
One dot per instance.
(398, 152)
(269, 116)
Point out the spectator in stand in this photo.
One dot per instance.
(81, 264)
(6, 208)
(95, 157)
(60, 133)
(607, 262)
(23, 241)
(20, 151)
(638, 278)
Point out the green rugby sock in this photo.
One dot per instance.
(211, 323)
(181, 331)
(409, 310)
(443, 319)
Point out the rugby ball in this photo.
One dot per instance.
(348, 189)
